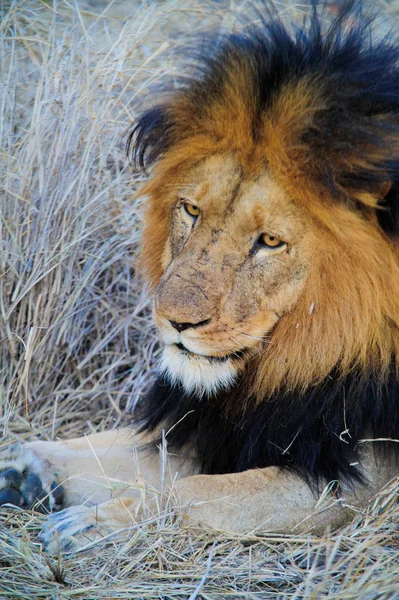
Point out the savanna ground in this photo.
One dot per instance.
(77, 346)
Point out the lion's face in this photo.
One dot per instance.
(236, 261)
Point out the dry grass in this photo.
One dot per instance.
(77, 347)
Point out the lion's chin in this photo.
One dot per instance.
(202, 375)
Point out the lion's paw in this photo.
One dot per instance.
(27, 481)
(71, 529)
(76, 527)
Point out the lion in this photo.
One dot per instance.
(271, 249)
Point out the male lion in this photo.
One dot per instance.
(271, 247)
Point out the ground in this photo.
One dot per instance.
(78, 349)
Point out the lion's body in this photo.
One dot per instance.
(271, 247)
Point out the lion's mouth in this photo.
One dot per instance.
(234, 355)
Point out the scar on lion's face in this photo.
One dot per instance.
(237, 259)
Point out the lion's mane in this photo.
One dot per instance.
(319, 107)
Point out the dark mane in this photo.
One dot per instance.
(316, 434)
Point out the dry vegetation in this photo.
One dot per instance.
(77, 346)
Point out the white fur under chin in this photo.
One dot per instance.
(196, 373)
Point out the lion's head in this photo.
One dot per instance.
(270, 237)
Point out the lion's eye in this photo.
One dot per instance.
(270, 241)
(191, 210)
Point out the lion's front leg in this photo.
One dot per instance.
(268, 499)
(91, 471)
(97, 468)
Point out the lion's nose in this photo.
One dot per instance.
(182, 326)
